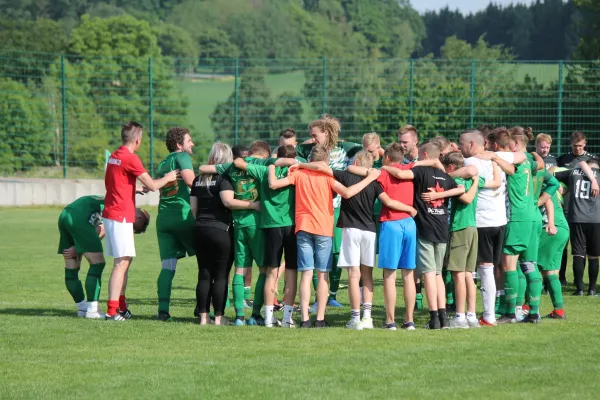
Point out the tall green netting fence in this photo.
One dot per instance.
(59, 114)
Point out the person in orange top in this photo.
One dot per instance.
(314, 226)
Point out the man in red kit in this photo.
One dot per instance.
(122, 170)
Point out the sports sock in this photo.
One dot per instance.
(488, 292)
(164, 285)
(93, 281)
(521, 288)
(449, 283)
(82, 306)
(578, 269)
(443, 317)
(460, 315)
(259, 294)
(237, 287)
(74, 285)
(355, 315)
(471, 316)
(502, 303)
(315, 281)
(112, 307)
(334, 278)
(247, 290)
(367, 310)
(592, 273)
(268, 313)
(555, 289)
(511, 284)
(534, 286)
(287, 313)
(434, 316)
(123, 303)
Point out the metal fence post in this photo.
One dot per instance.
(236, 101)
(560, 106)
(64, 113)
(472, 100)
(151, 116)
(324, 94)
(411, 91)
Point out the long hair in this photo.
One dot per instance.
(331, 126)
(220, 153)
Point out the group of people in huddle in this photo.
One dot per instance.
(441, 213)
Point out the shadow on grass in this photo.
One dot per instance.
(39, 312)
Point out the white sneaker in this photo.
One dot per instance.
(460, 323)
(521, 314)
(94, 315)
(354, 325)
(290, 324)
(313, 308)
(473, 323)
(367, 323)
(273, 323)
(81, 313)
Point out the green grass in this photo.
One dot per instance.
(49, 353)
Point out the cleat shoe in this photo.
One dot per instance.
(273, 323)
(256, 321)
(313, 308)
(408, 326)
(591, 292)
(484, 322)
(116, 317)
(321, 324)
(533, 319)
(126, 314)
(473, 323)
(578, 293)
(505, 319)
(433, 324)
(555, 315)
(306, 324)
(521, 314)
(81, 313)
(239, 322)
(94, 315)
(355, 325)
(444, 323)
(563, 282)
(164, 316)
(290, 324)
(248, 303)
(367, 323)
(334, 303)
(459, 323)
(390, 327)
(419, 302)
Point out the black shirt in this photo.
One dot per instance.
(211, 211)
(357, 212)
(570, 161)
(432, 217)
(549, 161)
(583, 207)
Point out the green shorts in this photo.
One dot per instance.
(463, 250)
(248, 246)
(337, 232)
(76, 230)
(551, 248)
(430, 256)
(522, 239)
(175, 236)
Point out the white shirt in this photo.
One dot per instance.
(491, 203)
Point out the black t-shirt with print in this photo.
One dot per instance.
(432, 217)
(357, 212)
(211, 210)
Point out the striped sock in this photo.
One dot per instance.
(367, 310)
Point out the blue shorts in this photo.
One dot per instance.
(398, 244)
(314, 251)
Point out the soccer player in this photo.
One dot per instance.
(325, 132)
(314, 226)
(175, 222)
(287, 137)
(122, 170)
(442, 144)
(584, 218)
(409, 140)
(277, 222)
(542, 147)
(81, 231)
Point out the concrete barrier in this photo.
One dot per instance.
(23, 192)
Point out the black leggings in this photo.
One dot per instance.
(214, 254)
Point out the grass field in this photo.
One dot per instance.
(49, 353)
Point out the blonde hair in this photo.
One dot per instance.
(407, 129)
(454, 158)
(441, 142)
(369, 138)
(364, 159)
(220, 153)
(432, 150)
(331, 126)
(542, 137)
(319, 153)
(520, 134)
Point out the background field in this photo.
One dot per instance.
(48, 353)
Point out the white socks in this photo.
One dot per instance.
(268, 314)
(92, 307)
(287, 313)
(488, 292)
(367, 310)
(82, 305)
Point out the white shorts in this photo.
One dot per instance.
(119, 238)
(358, 248)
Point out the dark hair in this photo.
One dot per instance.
(287, 133)
(237, 150)
(142, 220)
(259, 147)
(288, 151)
(394, 152)
(500, 136)
(577, 137)
(485, 129)
(594, 160)
(175, 136)
(130, 131)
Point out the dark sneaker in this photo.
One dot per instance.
(306, 324)
(126, 314)
(563, 282)
(116, 317)
(555, 315)
(433, 324)
(390, 327)
(321, 324)
(409, 326)
(505, 319)
(164, 316)
(578, 293)
(533, 319)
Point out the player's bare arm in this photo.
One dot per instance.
(465, 172)
(434, 162)
(399, 173)
(275, 183)
(470, 194)
(496, 182)
(348, 192)
(229, 201)
(433, 195)
(207, 169)
(538, 160)
(587, 170)
(550, 228)
(318, 166)
(396, 205)
(155, 184)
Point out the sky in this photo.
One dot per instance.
(465, 6)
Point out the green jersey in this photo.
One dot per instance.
(520, 194)
(276, 206)
(339, 158)
(462, 215)
(543, 181)
(175, 196)
(88, 207)
(377, 206)
(245, 187)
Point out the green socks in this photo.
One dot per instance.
(164, 283)
(449, 283)
(93, 281)
(315, 281)
(74, 284)
(534, 287)
(511, 285)
(555, 289)
(237, 287)
(259, 294)
(522, 288)
(334, 278)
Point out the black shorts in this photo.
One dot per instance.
(491, 241)
(280, 241)
(585, 239)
